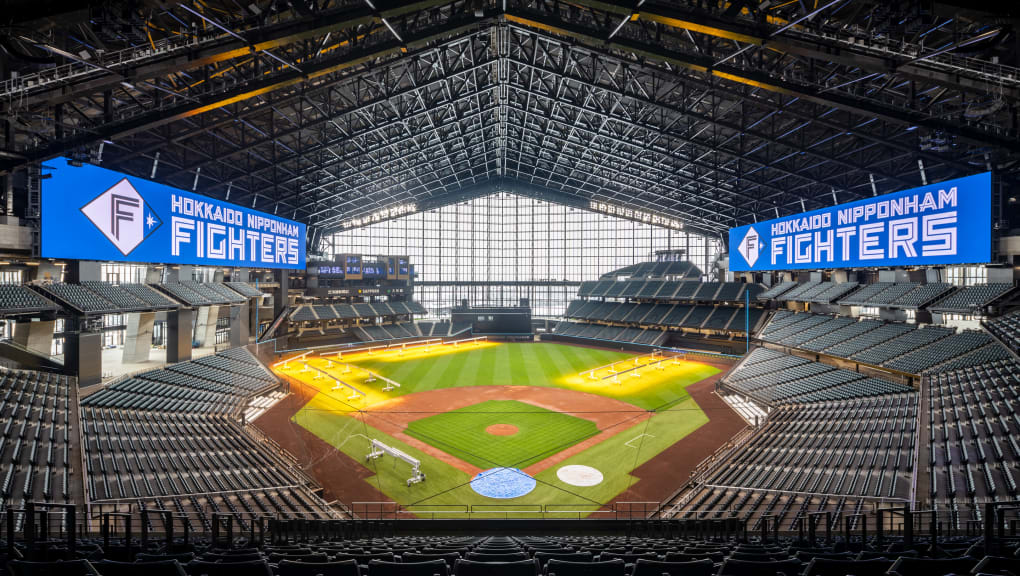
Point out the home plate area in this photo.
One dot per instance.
(577, 475)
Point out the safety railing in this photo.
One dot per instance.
(388, 510)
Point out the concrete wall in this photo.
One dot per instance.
(138, 337)
(36, 336)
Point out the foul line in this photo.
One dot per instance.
(638, 437)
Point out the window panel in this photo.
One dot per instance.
(472, 247)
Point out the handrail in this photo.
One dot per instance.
(702, 470)
(801, 493)
(133, 500)
(917, 439)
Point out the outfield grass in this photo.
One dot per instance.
(535, 364)
(540, 433)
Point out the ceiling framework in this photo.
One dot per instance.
(717, 113)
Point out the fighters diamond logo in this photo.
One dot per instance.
(122, 215)
(750, 246)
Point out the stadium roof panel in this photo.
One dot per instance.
(712, 116)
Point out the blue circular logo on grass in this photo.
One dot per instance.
(503, 483)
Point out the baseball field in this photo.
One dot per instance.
(523, 427)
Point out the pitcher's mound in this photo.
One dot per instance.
(501, 429)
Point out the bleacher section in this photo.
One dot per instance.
(920, 296)
(777, 290)
(949, 348)
(1007, 329)
(371, 332)
(150, 296)
(688, 290)
(971, 299)
(719, 318)
(245, 289)
(192, 464)
(313, 548)
(862, 296)
(221, 289)
(210, 294)
(909, 295)
(829, 292)
(218, 384)
(833, 457)
(648, 336)
(40, 444)
(169, 439)
(904, 344)
(116, 295)
(798, 292)
(972, 448)
(79, 298)
(194, 293)
(94, 297)
(314, 312)
(16, 300)
(675, 270)
(903, 347)
(774, 379)
(818, 292)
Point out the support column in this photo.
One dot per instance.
(205, 325)
(138, 337)
(8, 137)
(83, 356)
(178, 335)
(280, 297)
(240, 330)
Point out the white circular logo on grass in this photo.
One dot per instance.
(576, 475)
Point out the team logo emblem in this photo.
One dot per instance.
(750, 246)
(122, 215)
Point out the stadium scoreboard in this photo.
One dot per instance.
(945, 223)
(92, 213)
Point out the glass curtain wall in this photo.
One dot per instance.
(496, 249)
